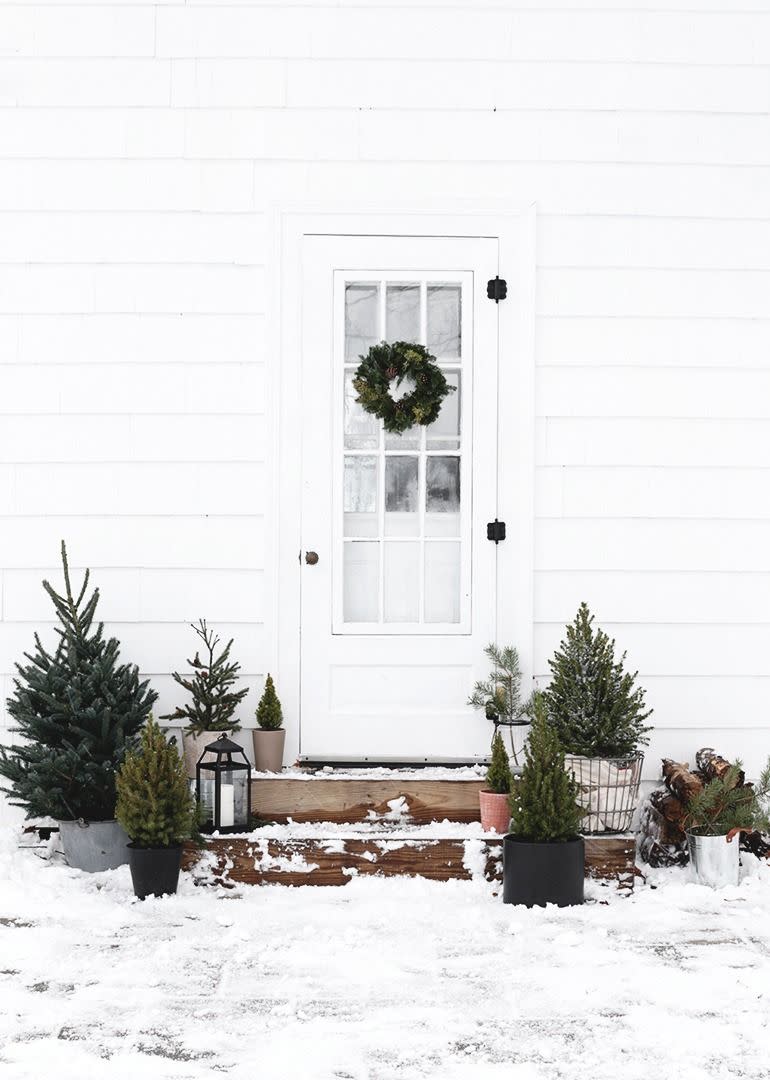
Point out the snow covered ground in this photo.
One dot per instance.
(379, 979)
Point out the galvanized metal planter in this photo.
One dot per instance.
(94, 846)
(714, 860)
(609, 790)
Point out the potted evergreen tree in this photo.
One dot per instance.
(270, 736)
(500, 694)
(494, 800)
(78, 710)
(543, 855)
(598, 715)
(156, 809)
(716, 815)
(213, 701)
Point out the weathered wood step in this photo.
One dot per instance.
(293, 859)
(349, 800)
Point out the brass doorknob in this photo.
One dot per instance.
(311, 558)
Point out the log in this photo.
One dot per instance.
(713, 766)
(661, 842)
(680, 781)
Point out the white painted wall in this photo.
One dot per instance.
(142, 145)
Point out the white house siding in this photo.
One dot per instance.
(142, 146)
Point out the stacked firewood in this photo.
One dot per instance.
(662, 840)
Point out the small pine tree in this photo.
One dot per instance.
(499, 771)
(213, 701)
(269, 711)
(725, 804)
(591, 701)
(155, 805)
(78, 710)
(500, 695)
(544, 800)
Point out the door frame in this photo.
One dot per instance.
(515, 230)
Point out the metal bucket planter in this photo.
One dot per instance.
(609, 791)
(94, 845)
(715, 860)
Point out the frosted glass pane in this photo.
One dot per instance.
(444, 320)
(401, 496)
(401, 586)
(442, 481)
(361, 586)
(361, 428)
(360, 496)
(445, 431)
(407, 440)
(361, 319)
(442, 583)
(402, 313)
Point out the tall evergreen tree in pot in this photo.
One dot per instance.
(543, 855)
(598, 715)
(269, 736)
(213, 701)
(78, 711)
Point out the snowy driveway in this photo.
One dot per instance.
(379, 979)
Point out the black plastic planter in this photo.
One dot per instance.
(154, 871)
(540, 874)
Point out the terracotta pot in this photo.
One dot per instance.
(194, 745)
(268, 749)
(495, 812)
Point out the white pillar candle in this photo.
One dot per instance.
(226, 805)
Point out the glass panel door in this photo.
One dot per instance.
(402, 502)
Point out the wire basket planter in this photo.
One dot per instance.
(609, 789)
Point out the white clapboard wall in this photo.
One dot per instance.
(142, 145)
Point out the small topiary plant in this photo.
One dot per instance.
(269, 711)
(155, 805)
(213, 700)
(591, 702)
(544, 806)
(499, 771)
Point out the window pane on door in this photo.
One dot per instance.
(444, 335)
(360, 496)
(402, 313)
(442, 582)
(401, 496)
(401, 585)
(361, 318)
(362, 581)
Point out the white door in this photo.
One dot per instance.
(402, 598)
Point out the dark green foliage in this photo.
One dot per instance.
(499, 771)
(725, 804)
(78, 711)
(269, 712)
(500, 695)
(544, 799)
(155, 805)
(591, 702)
(213, 701)
(400, 360)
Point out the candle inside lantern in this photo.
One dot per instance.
(226, 805)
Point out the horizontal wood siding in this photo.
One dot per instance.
(142, 146)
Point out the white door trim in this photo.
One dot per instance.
(515, 230)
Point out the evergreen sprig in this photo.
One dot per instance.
(269, 712)
(499, 771)
(544, 799)
(725, 804)
(78, 711)
(213, 701)
(592, 702)
(155, 805)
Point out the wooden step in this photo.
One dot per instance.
(293, 859)
(350, 800)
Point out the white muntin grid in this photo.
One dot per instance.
(445, 583)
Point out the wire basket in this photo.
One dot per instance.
(609, 789)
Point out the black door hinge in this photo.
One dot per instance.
(497, 289)
(496, 530)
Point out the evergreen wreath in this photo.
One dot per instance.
(398, 361)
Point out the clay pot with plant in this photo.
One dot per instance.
(156, 808)
(270, 736)
(494, 799)
(211, 710)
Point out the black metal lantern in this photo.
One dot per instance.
(223, 788)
